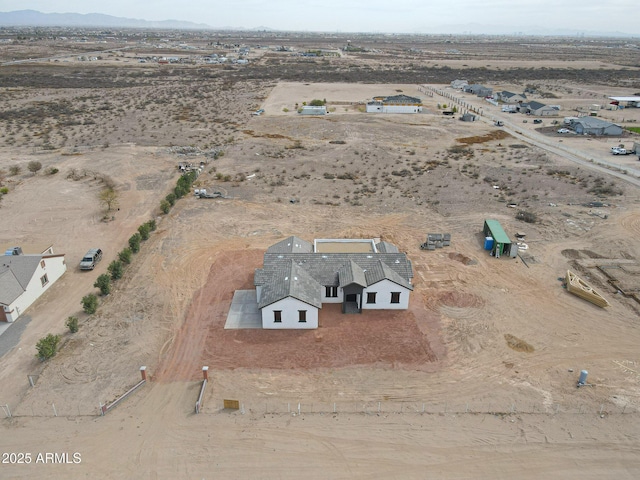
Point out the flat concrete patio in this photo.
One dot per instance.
(243, 312)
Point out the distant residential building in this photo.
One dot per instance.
(540, 109)
(479, 90)
(459, 84)
(395, 104)
(510, 97)
(594, 126)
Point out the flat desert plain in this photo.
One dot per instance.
(477, 379)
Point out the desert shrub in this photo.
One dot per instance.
(165, 206)
(15, 169)
(34, 166)
(103, 282)
(134, 242)
(47, 346)
(171, 198)
(72, 324)
(4, 190)
(89, 304)
(125, 256)
(152, 225)
(116, 269)
(528, 217)
(51, 171)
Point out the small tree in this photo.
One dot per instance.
(47, 346)
(152, 225)
(125, 256)
(317, 103)
(109, 198)
(72, 324)
(134, 242)
(144, 230)
(103, 282)
(34, 166)
(89, 304)
(165, 206)
(15, 169)
(171, 198)
(116, 269)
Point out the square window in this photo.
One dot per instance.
(371, 297)
(277, 316)
(44, 279)
(302, 316)
(395, 297)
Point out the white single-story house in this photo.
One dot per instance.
(479, 90)
(594, 126)
(395, 104)
(459, 84)
(540, 109)
(313, 110)
(298, 277)
(23, 278)
(510, 97)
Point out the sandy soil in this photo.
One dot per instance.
(492, 409)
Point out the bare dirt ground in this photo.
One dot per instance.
(476, 380)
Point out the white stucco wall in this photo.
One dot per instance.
(383, 291)
(54, 268)
(401, 109)
(289, 308)
(338, 299)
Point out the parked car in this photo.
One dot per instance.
(257, 113)
(91, 259)
(537, 120)
(564, 130)
(619, 151)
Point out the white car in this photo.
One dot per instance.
(564, 130)
(618, 151)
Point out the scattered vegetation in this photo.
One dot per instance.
(47, 347)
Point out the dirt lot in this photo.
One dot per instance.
(476, 380)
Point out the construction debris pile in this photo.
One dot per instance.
(436, 240)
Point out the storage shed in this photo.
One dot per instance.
(502, 244)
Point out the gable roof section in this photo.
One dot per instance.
(291, 280)
(291, 245)
(592, 122)
(16, 272)
(382, 271)
(533, 105)
(351, 273)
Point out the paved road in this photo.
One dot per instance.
(10, 336)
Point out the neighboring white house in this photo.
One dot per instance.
(23, 278)
(298, 277)
(395, 104)
(313, 110)
(595, 126)
(540, 109)
(510, 97)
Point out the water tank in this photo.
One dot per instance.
(488, 243)
(583, 377)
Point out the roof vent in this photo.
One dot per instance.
(295, 278)
(286, 278)
(369, 256)
(397, 261)
(280, 256)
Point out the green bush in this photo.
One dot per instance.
(152, 225)
(134, 242)
(4, 190)
(125, 256)
(171, 198)
(116, 269)
(103, 282)
(144, 230)
(47, 346)
(165, 206)
(72, 324)
(52, 171)
(90, 304)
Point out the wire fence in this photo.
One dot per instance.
(300, 407)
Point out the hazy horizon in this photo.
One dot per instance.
(403, 16)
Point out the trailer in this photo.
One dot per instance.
(202, 193)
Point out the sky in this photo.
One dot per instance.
(385, 16)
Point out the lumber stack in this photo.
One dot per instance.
(582, 289)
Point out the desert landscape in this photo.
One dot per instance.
(477, 379)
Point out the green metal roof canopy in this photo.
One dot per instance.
(498, 234)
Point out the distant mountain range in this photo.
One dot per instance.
(32, 18)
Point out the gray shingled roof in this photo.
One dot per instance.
(533, 105)
(351, 273)
(290, 280)
(291, 245)
(591, 122)
(382, 271)
(328, 269)
(15, 273)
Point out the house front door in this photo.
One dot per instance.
(351, 297)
